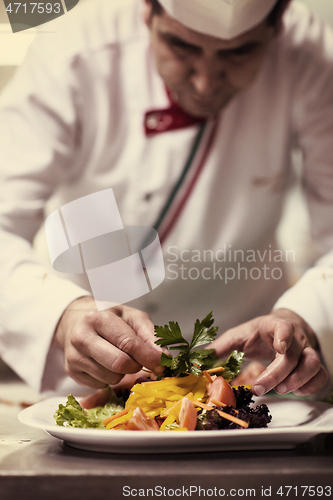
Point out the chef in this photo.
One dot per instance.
(189, 110)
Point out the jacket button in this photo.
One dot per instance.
(148, 196)
(152, 121)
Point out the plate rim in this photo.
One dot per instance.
(27, 417)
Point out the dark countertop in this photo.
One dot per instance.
(34, 465)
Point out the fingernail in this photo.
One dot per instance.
(299, 393)
(259, 390)
(282, 389)
(284, 346)
(158, 370)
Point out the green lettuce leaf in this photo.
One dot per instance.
(72, 414)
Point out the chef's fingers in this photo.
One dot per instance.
(120, 335)
(281, 367)
(255, 338)
(92, 346)
(140, 323)
(131, 379)
(314, 385)
(88, 360)
(299, 324)
(249, 373)
(281, 332)
(259, 337)
(87, 380)
(308, 377)
(234, 338)
(223, 345)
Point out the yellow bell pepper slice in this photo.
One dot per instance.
(120, 420)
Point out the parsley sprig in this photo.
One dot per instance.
(190, 359)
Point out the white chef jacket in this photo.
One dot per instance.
(71, 124)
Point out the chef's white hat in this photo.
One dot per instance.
(220, 18)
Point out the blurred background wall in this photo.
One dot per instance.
(293, 232)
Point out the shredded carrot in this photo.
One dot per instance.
(208, 377)
(215, 370)
(202, 405)
(120, 420)
(117, 415)
(119, 427)
(217, 402)
(166, 412)
(236, 420)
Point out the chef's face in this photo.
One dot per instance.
(202, 72)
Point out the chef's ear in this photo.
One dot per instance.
(151, 8)
(275, 17)
(147, 12)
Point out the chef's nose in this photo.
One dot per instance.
(206, 76)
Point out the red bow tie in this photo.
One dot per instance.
(172, 118)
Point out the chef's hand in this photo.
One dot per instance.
(101, 346)
(288, 340)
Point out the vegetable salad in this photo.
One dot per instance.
(194, 394)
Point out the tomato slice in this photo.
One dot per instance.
(188, 415)
(142, 422)
(99, 398)
(221, 390)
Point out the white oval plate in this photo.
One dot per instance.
(293, 422)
